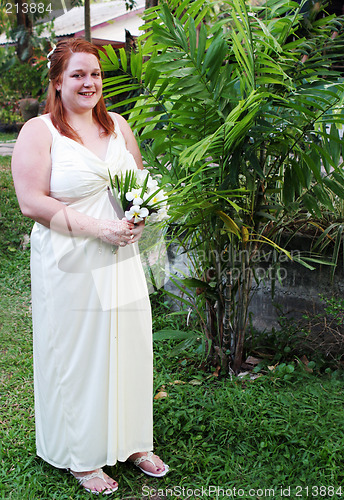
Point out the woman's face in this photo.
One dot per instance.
(81, 85)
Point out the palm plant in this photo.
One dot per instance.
(241, 115)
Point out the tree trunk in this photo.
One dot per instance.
(244, 294)
(87, 11)
(151, 3)
(24, 48)
(227, 327)
(130, 44)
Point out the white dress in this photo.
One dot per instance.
(93, 360)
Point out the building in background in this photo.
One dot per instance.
(111, 24)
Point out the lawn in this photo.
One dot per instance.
(6, 137)
(222, 438)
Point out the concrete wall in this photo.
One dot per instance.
(297, 293)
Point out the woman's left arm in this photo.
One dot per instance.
(130, 140)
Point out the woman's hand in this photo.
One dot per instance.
(115, 232)
(136, 230)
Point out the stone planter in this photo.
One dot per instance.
(28, 108)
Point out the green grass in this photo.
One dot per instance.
(263, 434)
(8, 137)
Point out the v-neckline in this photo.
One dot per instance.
(82, 145)
(92, 152)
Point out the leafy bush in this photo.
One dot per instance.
(18, 81)
(27, 80)
(226, 113)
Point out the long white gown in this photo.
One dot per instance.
(93, 357)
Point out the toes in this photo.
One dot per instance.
(98, 482)
(153, 464)
(111, 484)
(159, 464)
(103, 486)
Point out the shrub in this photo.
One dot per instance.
(18, 81)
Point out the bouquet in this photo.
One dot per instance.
(139, 196)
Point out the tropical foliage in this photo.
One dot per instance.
(22, 23)
(242, 114)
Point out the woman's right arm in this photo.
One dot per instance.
(31, 169)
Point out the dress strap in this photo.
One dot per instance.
(47, 121)
(116, 129)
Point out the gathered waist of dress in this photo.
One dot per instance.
(81, 192)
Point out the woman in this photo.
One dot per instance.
(91, 311)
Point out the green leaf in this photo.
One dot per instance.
(215, 55)
(202, 40)
(337, 246)
(336, 188)
(168, 334)
(195, 283)
(136, 65)
(301, 261)
(192, 37)
(322, 196)
(231, 226)
(123, 58)
(178, 298)
(311, 204)
(112, 56)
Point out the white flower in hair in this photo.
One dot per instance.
(50, 54)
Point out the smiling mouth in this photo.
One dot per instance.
(87, 93)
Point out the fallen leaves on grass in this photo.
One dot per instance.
(161, 394)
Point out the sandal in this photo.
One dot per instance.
(98, 473)
(148, 457)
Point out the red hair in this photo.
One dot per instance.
(58, 63)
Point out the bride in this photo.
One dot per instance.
(93, 361)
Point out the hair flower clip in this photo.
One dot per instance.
(49, 55)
